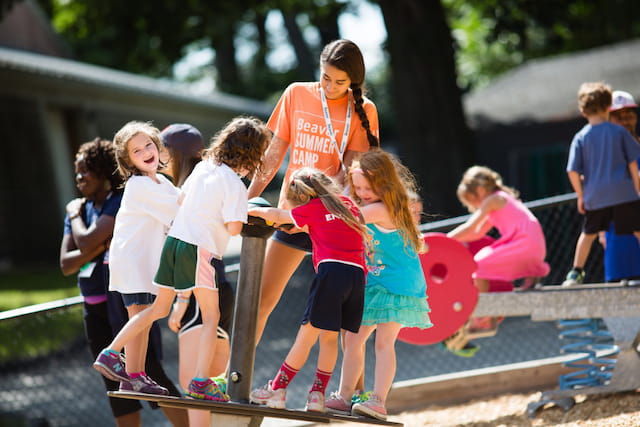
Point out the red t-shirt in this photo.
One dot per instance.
(298, 119)
(332, 238)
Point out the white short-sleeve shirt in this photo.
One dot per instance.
(141, 226)
(213, 196)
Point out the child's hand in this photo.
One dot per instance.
(581, 205)
(177, 312)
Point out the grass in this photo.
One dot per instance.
(25, 286)
(32, 336)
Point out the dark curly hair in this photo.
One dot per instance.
(240, 144)
(100, 157)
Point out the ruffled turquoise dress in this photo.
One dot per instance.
(396, 288)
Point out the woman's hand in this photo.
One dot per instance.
(74, 206)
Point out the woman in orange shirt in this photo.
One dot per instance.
(323, 125)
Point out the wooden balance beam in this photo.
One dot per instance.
(244, 410)
(617, 305)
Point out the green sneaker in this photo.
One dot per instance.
(221, 382)
(360, 396)
(574, 277)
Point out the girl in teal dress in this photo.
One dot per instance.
(395, 293)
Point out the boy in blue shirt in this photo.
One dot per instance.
(603, 171)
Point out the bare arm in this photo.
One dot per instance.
(87, 238)
(273, 157)
(72, 259)
(576, 183)
(377, 213)
(234, 227)
(275, 215)
(478, 225)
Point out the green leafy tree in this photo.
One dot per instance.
(495, 35)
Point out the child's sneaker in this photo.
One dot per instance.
(360, 396)
(221, 382)
(335, 404)
(315, 402)
(265, 395)
(143, 384)
(111, 365)
(372, 408)
(206, 390)
(574, 277)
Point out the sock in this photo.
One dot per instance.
(199, 380)
(283, 377)
(578, 269)
(134, 375)
(321, 381)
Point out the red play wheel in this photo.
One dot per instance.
(452, 296)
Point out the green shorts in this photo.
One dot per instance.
(184, 266)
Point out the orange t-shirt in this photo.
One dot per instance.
(298, 120)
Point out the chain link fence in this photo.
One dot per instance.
(46, 377)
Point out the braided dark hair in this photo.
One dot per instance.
(346, 56)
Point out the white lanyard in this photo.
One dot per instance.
(327, 120)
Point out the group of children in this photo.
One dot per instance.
(354, 215)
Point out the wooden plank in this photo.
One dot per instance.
(249, 410)
(464, 386)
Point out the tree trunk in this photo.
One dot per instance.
(325, 19)
(435, 142)
(306, 62)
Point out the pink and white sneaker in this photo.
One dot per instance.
(373, 408)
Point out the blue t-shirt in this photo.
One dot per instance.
(91, 277)
(602, 153)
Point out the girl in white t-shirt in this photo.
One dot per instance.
(213, 208)
(149, 204)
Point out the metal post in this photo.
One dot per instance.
(243, 347)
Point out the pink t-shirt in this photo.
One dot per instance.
(332, 238)
(298, 119)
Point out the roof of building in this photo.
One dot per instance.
(77, 74)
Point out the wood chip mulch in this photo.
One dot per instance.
(619, 410)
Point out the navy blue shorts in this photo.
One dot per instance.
(141, 298)
(336, 297)
(625, 217)
(300, 241)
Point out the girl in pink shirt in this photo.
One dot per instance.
(521, 248)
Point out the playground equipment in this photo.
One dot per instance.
(238, 412)
(452, 296)
(599, 322)
(617, 306)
